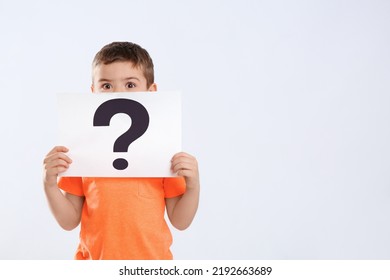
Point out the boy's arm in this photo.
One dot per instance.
(181, 210)
(65, 207)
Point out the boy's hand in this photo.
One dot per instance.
(187, 166)
(54, 163)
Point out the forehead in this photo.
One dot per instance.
(117, 71)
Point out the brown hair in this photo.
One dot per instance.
(126, 51)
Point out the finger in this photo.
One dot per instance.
(185, 173)
(183, 160)
(53, 167)
(189, 170)
(56, 163)
(183, 165)
(186, 163)
(58, 149)
(183, 155)
(57, 156)
(56, 170)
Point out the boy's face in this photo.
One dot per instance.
(119, 76)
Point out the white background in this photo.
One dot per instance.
(285, 105)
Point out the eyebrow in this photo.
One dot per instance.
(104, 80)
(131, 78)
(108, 80)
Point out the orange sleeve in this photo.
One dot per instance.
(72, 185)
(174, 186)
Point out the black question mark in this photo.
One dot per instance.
(139, 124)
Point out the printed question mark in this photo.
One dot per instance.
(139, 124)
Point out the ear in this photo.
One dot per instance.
(153, 87)
(92, 88)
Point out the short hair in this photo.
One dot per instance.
(127, 51)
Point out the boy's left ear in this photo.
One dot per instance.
(92, 88)
(153, 87)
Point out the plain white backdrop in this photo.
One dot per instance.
(285, 105)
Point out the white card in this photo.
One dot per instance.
(103, 131)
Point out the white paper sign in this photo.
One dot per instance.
(120, 134)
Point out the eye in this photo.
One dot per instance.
(130, 85)
(106, 86)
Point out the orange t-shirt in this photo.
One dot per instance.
(123, 218)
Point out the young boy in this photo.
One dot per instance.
(122, 218)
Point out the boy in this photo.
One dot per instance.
(122, 218)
